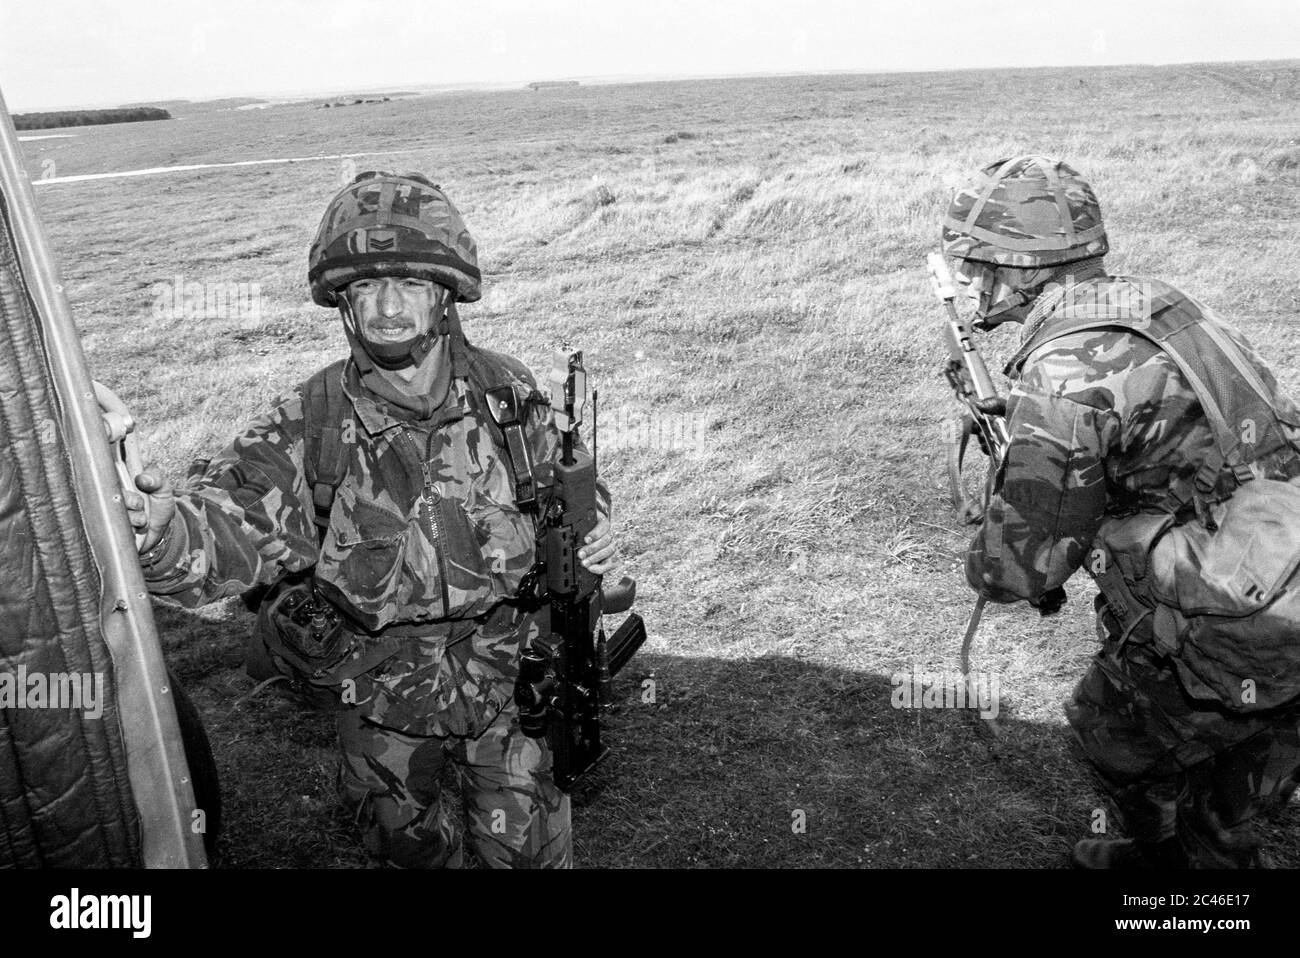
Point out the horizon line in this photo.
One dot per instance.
(621, 79)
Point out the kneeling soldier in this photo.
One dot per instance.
(1116, 424)
(379, 504)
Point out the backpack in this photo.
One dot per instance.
(1216, 586)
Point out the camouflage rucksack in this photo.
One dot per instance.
(1218, 592)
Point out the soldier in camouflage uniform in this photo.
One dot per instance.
(424, 547)
(1103, 425)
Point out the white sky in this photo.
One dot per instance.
(81, 53)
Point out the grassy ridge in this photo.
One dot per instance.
(759, 275)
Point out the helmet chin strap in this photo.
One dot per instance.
(1028, 285)
(409, 352)
(1016, 291)
(1011, 309)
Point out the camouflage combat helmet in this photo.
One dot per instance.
(392, 224)
(1027, 212)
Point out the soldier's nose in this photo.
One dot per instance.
(390, 302)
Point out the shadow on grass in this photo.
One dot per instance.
(735, 755)
(766, 762)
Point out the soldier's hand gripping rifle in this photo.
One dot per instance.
(565, 677)
(970, 380)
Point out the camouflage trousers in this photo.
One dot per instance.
(516, 816)
(1178, 767)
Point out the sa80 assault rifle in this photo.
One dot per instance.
(983, 418)
(970, 380)
(565, 677)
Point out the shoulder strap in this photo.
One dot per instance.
(325, 407)
(1244, 414)
(493, 376)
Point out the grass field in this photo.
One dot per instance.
(759, 276)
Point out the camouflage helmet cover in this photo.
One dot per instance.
(1026, 212)
(392, 224)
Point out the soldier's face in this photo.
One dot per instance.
(393, 309)
(990, 287)
(974, 278)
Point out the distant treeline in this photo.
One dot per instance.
(47, 121)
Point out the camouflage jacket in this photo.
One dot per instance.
(1102, 423)
(425, 543)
